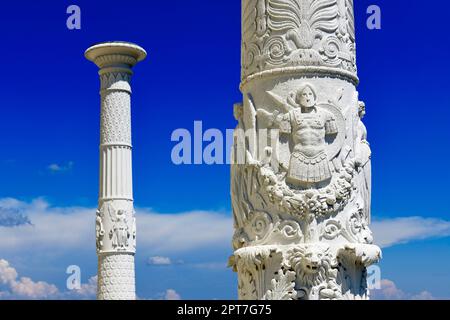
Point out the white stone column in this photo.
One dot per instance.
(115, 221)
(301, 180)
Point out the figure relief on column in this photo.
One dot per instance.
(116, 227)
(301, 175)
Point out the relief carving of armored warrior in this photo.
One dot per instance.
(308, 126)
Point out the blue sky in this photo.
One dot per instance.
(50, 122)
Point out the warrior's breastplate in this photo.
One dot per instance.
(308, 133)
(309, 162)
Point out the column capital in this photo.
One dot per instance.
(115, 60)
(115, 54)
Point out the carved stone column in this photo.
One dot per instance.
(301, 180)
(115, 221)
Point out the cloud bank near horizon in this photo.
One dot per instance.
(390, 232)
(162, 238)
(64, 229)
(71, 228)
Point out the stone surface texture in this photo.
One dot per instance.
(301, 178)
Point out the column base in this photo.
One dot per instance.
(314, 271)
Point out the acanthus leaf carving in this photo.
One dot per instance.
(282, 286)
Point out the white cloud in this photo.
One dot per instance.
(28, 289)
(424, 295)
(54, 167)
(23, 287)
(169, 233)
(391, 232)
(389, 291)
(166, 262)
(61, 230)
(171, 295)
(7, 274)
(88, 291)
(65, 229)
(159, 261)
(55, 229)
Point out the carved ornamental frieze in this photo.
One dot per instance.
(297, 33)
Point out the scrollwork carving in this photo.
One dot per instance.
(276, 50)
(261, 224)
(332, 229)
(298, 32)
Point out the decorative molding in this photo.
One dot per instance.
(114, 59)
(116, 81)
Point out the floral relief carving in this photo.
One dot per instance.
(282, 286)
